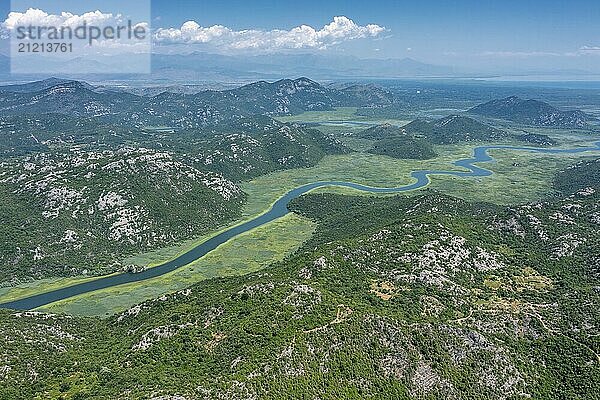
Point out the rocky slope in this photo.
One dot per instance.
(81, 212)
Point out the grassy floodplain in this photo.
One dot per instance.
(249, 252)
(527, 176)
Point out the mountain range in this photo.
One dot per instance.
(35, 86)
(200, 66)
(127, 159)
(419, 297)
(283, 97)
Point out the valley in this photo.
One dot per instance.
(459, 298)
(339, 200)
(287, 241)
(193, 254)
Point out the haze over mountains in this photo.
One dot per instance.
(216, 67)
(208, 67)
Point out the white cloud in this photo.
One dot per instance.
(39, 18)
(582, 51)
(590, 50)
(217, 37)
(36, 17)
(341, 29)
(117, 41)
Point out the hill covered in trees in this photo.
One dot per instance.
(454, 129)
(394, 142)
(531, 112)
(398, 297)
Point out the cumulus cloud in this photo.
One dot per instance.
(340, 30)
(36, 17)
(92, 44)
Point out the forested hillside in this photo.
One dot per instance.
(84, 182)
(531, 112)
(421, 297)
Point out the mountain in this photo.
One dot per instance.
(255, 146)
(379, 132)
(283, 97)
(421, 297)
(80, 212)
(531, 112)
(68, 97)
(583, 177)
(287, 96)
(536, 138)
(109, 193)
(407, 67)
(200, 65)
(208, 67)
(454, 129)
(364, 95)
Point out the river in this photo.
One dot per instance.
(278, 210)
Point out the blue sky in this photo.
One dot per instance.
(533, 25)
(467, 33)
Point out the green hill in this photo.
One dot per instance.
(81, 212)
(531, 112)
(404, 147)
(256, 146)
(535, 138)
(394, 142)
(379, 132)
(454, 129)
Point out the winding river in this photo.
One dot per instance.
(278, 209)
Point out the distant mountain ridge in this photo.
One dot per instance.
(268, 66)
(283, 97)
(39, 85)
(531, 112)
